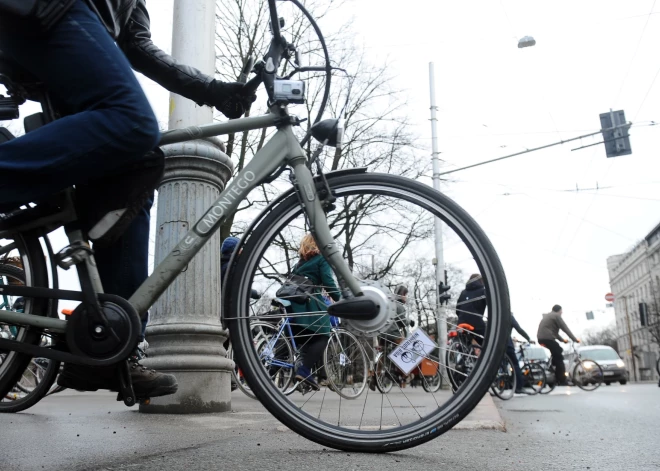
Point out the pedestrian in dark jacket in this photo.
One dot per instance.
(311, 325)
(83, 51)
(548, 332)
(511, 353)
(471, 306)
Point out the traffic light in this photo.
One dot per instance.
(617, 140)
(643, 315)
(443, 297)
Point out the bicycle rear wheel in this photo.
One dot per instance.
(24, 380)
(534, 376)
(388, 220)
(433, 383)
(504, 384)
(587, 375)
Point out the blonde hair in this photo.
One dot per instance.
(308, 247)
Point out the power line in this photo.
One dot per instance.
(639, 41)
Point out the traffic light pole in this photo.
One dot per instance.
(441, 318)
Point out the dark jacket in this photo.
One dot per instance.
(550, 326)
(471, 305)
(515, 325)
(127, 21)
(320, 273)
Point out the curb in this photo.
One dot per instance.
(486, 416)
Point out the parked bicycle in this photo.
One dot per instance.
(396, 227)
(504, 383)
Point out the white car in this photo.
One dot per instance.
(614, 369)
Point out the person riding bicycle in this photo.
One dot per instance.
(310, 325)
(548, 331)
(471, 305)
(84, 51)
(511, 353)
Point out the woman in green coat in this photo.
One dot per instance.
(312, 330)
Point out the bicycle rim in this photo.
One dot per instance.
(346, 364)
(22, 262)
(395, 207)
(534, 378)
(504, 384)
(587, 375)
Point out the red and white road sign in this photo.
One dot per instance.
(609, 297)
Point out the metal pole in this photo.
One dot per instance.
(441, 322)
(630, 340)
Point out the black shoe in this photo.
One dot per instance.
(151, 383)
(372, 383)
(304, 375)
(146, 382)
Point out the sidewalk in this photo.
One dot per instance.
(71, 431)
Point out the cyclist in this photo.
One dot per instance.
(548, 331)
(471, 305)
(511, 353)
(312, 328)
(83, 50)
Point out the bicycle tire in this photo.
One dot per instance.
(239, 380)
(333, 378)
(505, 380)
(393, 438)
(548, 387)
(587, 373)
(384, 380)
(436, 385)
(34, 273)
(535, 378)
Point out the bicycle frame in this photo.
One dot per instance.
(283, 149)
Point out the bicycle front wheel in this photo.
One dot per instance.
(346, 364)
(384, 226)
(587, 375)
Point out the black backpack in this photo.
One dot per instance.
(296, 288)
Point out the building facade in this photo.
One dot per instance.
(635, 280)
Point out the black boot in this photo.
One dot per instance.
(146, 382)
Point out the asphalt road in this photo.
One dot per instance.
(614, 428)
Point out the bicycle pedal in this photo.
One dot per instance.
(126, 392)
(73, 254)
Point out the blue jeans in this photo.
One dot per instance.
(108, 124)
(511, 353)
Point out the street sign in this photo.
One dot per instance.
(609, 297)
(615, 133)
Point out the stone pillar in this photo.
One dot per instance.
(184, 334)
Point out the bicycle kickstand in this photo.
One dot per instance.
(125, 385)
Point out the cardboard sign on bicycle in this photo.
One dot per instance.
(410, 353)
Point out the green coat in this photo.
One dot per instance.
(320, 273)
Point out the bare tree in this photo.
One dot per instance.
(377, 135)
(604, 336)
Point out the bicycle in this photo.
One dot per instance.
(586, 374)
(533, 374)
(462, 355)
(504, 384)
(397, 224)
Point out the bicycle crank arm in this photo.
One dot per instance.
(57, 355)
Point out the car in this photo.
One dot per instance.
(614, 369)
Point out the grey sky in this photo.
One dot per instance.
(496, 99)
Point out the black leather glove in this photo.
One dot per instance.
(230, 98)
